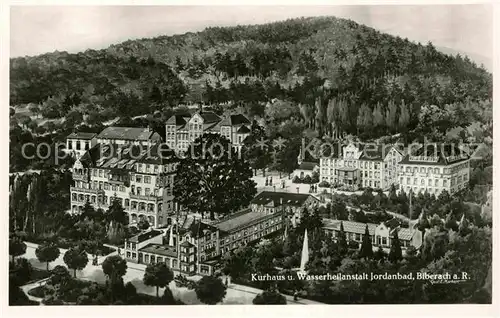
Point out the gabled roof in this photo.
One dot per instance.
(81, 135)
(234, 120)
(307, 166)
(178, 120)
(278, 198)
(243, 130)
(127, 133)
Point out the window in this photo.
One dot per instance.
(114, 188)
(436, 182)
(139, 190)
(106, 186)
(384, 241)
(132, 177)
(146, 191)
(138, 179)
(147, 168)
(122, 188)
(147, 179)
(139, 167)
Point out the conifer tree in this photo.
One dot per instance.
(366, 246)
(395, 253)
(342, 239)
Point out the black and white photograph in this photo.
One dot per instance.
(250, 155)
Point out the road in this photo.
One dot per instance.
(236, 294)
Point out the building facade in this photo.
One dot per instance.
(181, 130)
(140, 177)
(434, 169)
(195, 246)
(79, 143)
(381, 235)
(352, 166)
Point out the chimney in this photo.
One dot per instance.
(281, 201)
(297, 189)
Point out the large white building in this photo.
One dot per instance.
(434, 168)
(181, 130)
(355, 165)
(130, 165)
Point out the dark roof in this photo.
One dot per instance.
(241, 219)
(209, 117)
(178, 120)
(127, 133)
(293, 199)
(158, 249)
(440, 154)
(198, 228)
(141, 237)
(234, 120)
(114, 156)
(243, 130)
(307, 165)
(81, 135)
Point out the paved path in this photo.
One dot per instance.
(26, 288)
(236, 294)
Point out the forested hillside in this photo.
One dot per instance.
(325, 74)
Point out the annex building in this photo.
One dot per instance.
(194, 246)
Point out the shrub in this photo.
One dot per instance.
(324, 184)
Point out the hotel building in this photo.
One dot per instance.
(434, 168)
(181, 130)
(130, 166)
(360, 165)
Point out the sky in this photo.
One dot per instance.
(40, 29)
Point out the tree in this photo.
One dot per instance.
(59, 275)
(114, 267)
(16, 247)
(213, 173)
(75, 259)
(269, 297)
(210, 290)
(339, 209)
(366, 246)
(143, 224)
(342, 242)
(256, 148)
(47, 252)
(158, 275)
(395, 253)
(404, 116)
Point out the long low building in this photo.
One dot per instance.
(381, 235)
(195, 246)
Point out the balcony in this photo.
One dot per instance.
(80, 177)
(151, 197)
(89, 191)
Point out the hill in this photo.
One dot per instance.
(334, 75)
